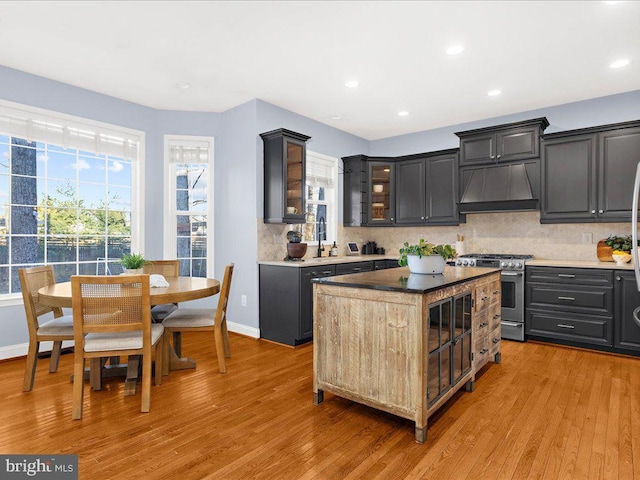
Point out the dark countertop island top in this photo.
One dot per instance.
(401, 280)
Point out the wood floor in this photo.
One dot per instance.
(545, 412)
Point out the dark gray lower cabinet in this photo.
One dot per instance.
(286, 297)
(286, 309)
(592, 308)
(627, 299)
(571, 305)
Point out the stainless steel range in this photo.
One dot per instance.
(512, 287)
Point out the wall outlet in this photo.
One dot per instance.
(587, 238)
(243, 300)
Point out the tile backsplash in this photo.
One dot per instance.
(507, 232)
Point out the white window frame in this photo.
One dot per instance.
(81, 123)
(332, 221)
(170, 224)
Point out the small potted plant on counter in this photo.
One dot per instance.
(614, 244)
(133, 263)
(425, 258)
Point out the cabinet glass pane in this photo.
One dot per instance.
(457, 360)
(434, 328)
(295, 181)
(466, 353)
(458, 309)
(445, 369)
(433, 384)
(467, 313)
(380, 192)
(445, 335)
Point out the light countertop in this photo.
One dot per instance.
(579, 264)
(310, 262)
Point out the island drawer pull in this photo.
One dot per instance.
(566, 275)
(562, 325)
(483, 351)
(568, 299)
(496, 340)
(327, 272)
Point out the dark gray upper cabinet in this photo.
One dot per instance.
(419, 189)
(426, 190)
(284, 176)
(381, 192)
(354, 201)
(501, 143)
(587, 174)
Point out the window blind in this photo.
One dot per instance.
(189, 151)
(38, 127)
(320, 172)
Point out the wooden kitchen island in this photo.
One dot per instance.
(404, 343)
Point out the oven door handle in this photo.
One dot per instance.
(512, 324)
(511, 274)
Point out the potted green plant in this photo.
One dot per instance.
(133, 263)
(425, 258)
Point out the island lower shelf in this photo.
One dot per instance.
(404, 352)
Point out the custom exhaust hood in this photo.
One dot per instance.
(501, 188)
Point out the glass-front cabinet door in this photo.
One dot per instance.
(449, 340)
(381, 197)
(284, 176)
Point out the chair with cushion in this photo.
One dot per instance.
(112, 316)
(58, 329)
(166, 268)
(203, 320)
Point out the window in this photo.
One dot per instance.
(321, 196)
(68, 195)
(189, 228)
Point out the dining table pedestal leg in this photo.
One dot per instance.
(177, 363)
(133, 370)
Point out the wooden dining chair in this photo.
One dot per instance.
(112, 316)
(166, 268)
(57, 330)
(203, 320)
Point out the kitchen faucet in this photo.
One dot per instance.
(322, 230)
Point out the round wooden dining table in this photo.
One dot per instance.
(180, 289)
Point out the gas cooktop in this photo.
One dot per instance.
(498, 256)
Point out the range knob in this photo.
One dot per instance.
(510, 265)
(503, 264)
(465, 263)
(458, 263)
(518, 265)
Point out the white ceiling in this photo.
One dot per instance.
(298, 55)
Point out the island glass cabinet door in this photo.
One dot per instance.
(449, 340)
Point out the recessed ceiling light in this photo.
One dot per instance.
(403, 113)
(336, 117)
(183, 85)
(623, 62)
(494, 93)
(455, 50)
(351, 84)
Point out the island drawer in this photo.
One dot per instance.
(487, 295)
(356, 267)
(570, 326)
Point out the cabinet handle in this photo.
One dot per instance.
(498, 156)
(593, 211)
(568, 299)
(483, 324)
(357, 269)
(495, 317)
(327, 272)
(619, 278)
(483, 351)
(600, 211)
(492, 157)
(566, 275)
(422, 218)
(495, 292)
(496, 340)
(562, 325)
(392, 219)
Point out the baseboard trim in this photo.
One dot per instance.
(243, 330)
